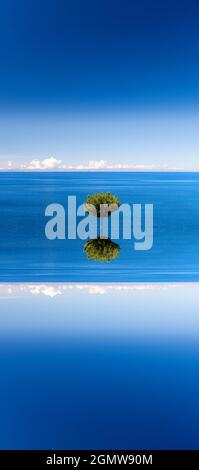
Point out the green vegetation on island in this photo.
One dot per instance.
(97, 199)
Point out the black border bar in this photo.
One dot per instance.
(85, 458)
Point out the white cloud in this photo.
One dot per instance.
(48, 290)
(46, 164)
(92, 164)
(52, 290)
(52, 163)
(105, 165)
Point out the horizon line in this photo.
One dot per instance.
(96, 170)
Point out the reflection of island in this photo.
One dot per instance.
(100, 249)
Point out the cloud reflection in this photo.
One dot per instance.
(56, 289)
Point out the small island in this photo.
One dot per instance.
(98, 199)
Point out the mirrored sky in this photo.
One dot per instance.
(99, 366)
(132, 311)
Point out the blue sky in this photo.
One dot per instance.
(155, 312)
(74, 375)
(99, 81)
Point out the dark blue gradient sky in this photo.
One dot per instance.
(68, 52)
(103, 80)
(89, 370)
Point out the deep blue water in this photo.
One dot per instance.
(27, 255)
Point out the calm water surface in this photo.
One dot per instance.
(27, 255)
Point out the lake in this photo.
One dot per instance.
(27, 255)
